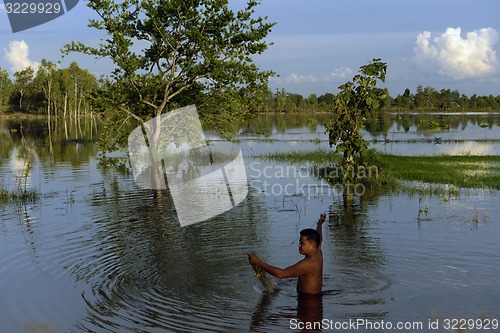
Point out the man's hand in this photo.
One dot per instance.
(322, 218)
(253, 259)
(319, 226)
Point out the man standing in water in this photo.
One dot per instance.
(309, 270)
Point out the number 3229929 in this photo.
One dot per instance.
(470, 324)
(32, 8)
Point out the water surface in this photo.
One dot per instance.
(472, 133)
(96, 254)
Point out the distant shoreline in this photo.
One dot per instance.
(20, 116)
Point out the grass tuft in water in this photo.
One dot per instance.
(21, 196)
(318, 156)
(440, 175)
(461, 171)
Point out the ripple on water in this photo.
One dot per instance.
(28, 297)
(163, 300)
(144, 272)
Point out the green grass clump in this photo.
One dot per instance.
(18, 196)
(318, 156)
(4, 196)
(461, 171)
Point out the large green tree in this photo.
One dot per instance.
(171, 53)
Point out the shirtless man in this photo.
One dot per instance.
(309, 270)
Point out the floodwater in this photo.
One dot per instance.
(467, 133)
(97, 254)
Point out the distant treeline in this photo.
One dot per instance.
(424, 99)
(49, 90)
(67, 92)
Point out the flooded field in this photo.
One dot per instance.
(97, 254)
(472, 133)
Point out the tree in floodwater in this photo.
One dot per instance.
(169, 54)
(353, 105)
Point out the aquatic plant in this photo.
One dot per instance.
(21, 192)
(18, 196)
(475, 217)
(425, 210)
(22, 178)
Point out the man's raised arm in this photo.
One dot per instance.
(319, 227)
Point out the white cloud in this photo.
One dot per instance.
(298, 79)
(17, 56)
(341, 73)
(460, 58)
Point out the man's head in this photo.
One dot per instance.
(309, 240)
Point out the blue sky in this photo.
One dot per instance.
(320, 44)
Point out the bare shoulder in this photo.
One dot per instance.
(303, 265)
(314, 260)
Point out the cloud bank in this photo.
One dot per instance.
(17, 56)
(294, 78)
(449, 54)
(341, 73)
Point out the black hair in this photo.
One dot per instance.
(312, 235)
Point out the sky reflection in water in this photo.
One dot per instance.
(97, 254)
